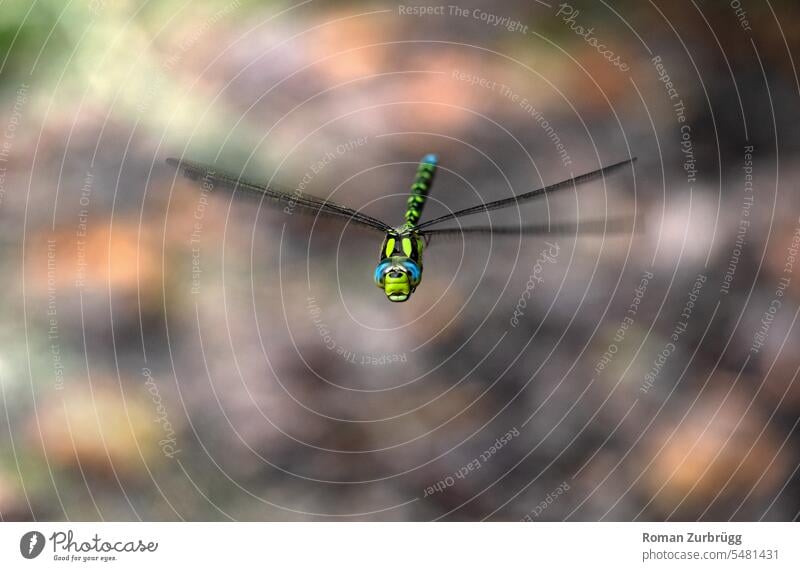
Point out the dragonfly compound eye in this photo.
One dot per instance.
(414, 271)
(380, 273)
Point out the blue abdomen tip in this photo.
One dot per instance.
(430, 158)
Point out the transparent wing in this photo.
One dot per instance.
(506, 202)
(627, 225)
(279, 197)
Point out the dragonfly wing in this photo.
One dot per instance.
(511, 201)
(280, 198)
(592, 227)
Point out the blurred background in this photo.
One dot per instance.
(167, 354)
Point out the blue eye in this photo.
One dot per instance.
(413, 270)
(379, 271)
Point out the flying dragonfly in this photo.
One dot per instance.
(399, 269)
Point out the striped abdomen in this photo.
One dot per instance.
(419, 190)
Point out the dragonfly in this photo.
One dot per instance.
(399, 269)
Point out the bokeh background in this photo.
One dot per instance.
(166, 355)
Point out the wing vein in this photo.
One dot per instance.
(312, 204)
(539, 192)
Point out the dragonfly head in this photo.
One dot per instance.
(398, 277)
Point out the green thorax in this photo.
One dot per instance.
(403, 244)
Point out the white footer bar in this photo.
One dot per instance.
(395, 546)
